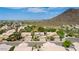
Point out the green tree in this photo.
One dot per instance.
(61, 33)
(67, 43)
(41, 29)
(28, 29)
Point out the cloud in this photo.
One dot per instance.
(36, 10)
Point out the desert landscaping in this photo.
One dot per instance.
(24, 37)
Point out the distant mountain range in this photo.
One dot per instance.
(71, 16)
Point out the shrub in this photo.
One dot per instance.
(45, 32)
(22, 30)
(9, 39)
(51, 38)
(50, 30)
(15, 36)
(67, 43)
(35, 46)
(12, 48)
(41, 29)
(32, 34)
(77, 35)
(61, 34)
(35, 38)
(71, 34)
(2, 31)
(28, 29)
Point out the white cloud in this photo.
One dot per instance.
(51, 8)
(36, 10)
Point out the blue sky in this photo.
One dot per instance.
(30, 13)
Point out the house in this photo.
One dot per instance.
(51, 47)
(4, 27)
(39, 33)
(54, 34)
(24, 34)
(23, 47)
(1, 38)
(4, 47)
(8, 33)
(42, 38)
(27, 38)
(76, 45)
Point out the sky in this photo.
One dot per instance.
(30, 13)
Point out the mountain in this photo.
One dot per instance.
(71, 16)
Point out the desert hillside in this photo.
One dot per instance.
(71, 16)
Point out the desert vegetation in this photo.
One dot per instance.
(38, 35)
